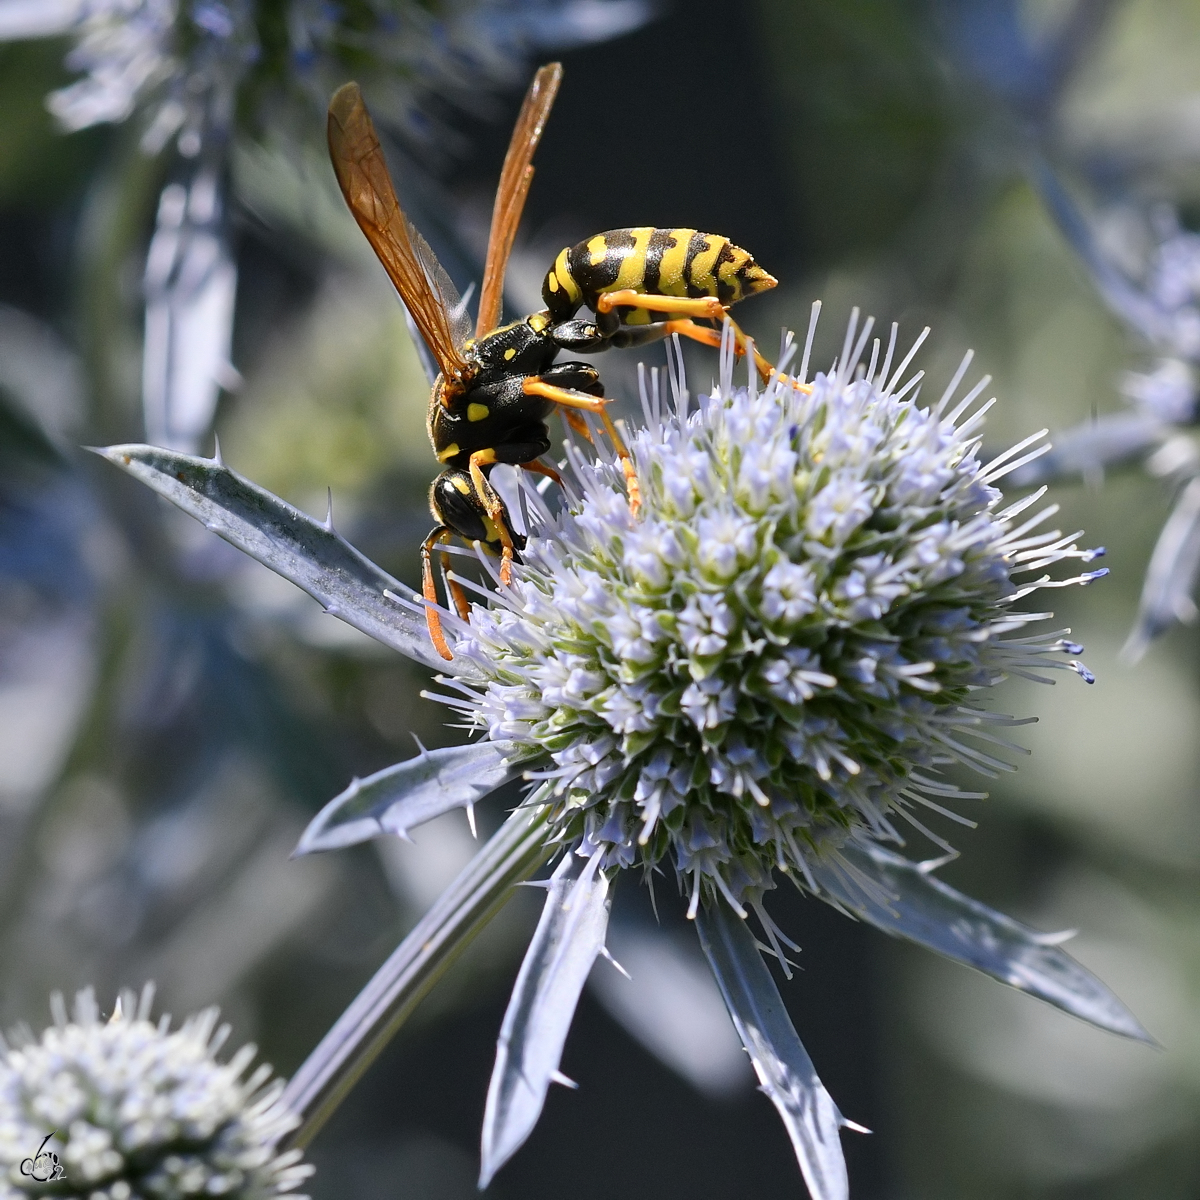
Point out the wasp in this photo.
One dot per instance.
(497, 385)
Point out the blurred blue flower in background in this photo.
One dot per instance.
(1147, 269)
(1143, 262)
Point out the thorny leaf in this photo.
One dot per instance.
(403, 796)
(311, 554)
(785, 1072)
(909, 902)
(565, 944)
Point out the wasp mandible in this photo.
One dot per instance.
(497, 387)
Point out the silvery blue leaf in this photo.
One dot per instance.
(785, 1072)
(401, 797)
(311, 554)
(190, 284)
(925, 910)
(565, 944)
(1090, 447)
(1167, 589)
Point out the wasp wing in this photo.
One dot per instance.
(363, 177)
(514, 187)
(455, 308)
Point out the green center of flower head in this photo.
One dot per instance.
(780, 651)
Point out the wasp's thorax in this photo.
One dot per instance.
(522, 348)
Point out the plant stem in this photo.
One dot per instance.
(510, 856)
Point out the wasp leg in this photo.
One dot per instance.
(577, 423)
(583, 337)
(703, 334)
(495, 508)
(462, 605)
(642, 335)
(429, 590)
(575, 377)
(690, 306)
(631, 336)
(569, 399)
(534, 467)
(712, 337)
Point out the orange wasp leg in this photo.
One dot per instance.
(703, 334)
(495, 510)
(432, 620)
(569, 399)
(534, 467)
(712, 337)
(576, 422)
(708, 307)
(690, 306)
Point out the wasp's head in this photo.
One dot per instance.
(456, 503)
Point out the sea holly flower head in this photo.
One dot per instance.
(138, 1110)
(785, 647)
(765, 673)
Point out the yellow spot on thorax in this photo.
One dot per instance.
(479, 412)
(509, 354)
(493, 534)
(449, 452)
(461, 485)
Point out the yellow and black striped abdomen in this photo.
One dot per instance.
(659, 262)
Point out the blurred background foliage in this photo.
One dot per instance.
(171, 714)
